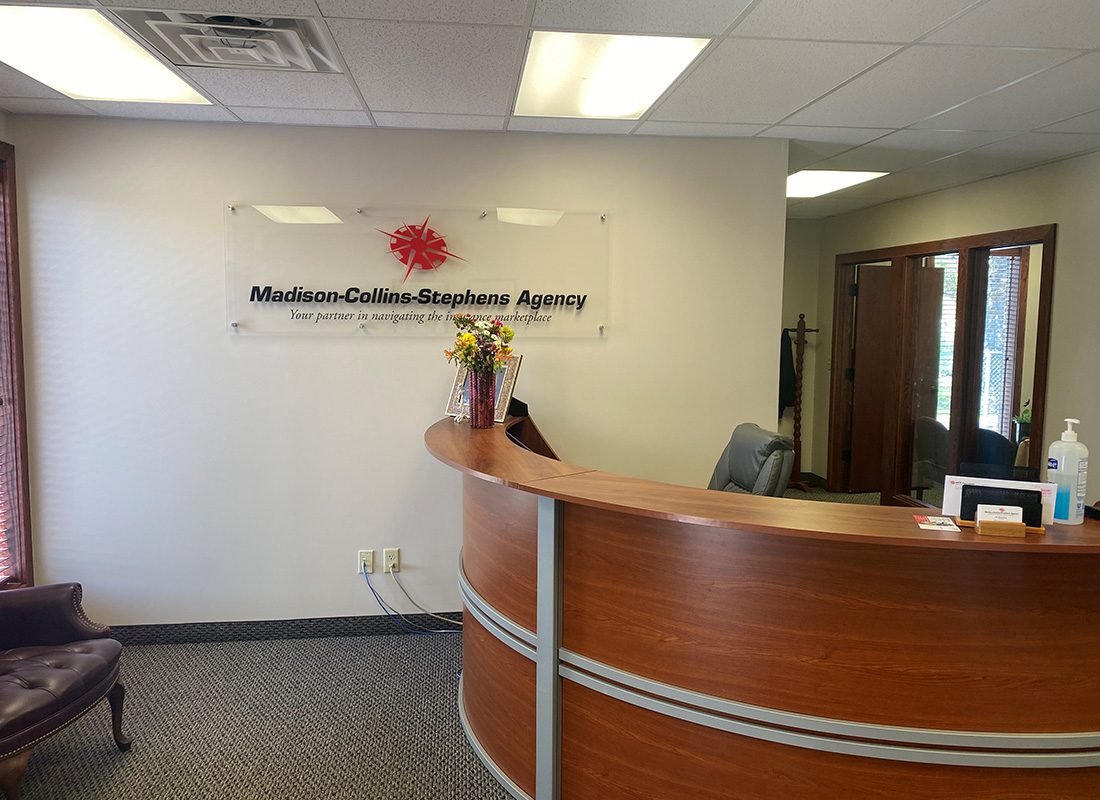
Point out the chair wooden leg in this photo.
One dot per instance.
(116, 697)
(11, 773)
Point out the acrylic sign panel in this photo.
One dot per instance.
(339, 269)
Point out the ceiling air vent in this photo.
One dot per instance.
(229, 40)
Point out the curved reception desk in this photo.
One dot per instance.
(631, 639)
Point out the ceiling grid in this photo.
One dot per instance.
(938, 93)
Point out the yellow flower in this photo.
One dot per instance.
(465, 340)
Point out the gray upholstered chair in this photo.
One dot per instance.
(755, 461)
(929, 455)
(993, 448)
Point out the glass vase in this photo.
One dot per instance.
(481, 386)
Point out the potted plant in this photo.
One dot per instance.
(482, 348)
(1023, 422)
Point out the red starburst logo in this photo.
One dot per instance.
(418, 247)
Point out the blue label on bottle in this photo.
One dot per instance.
(1052, 463)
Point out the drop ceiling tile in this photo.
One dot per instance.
(456, 122)
(1019, 152)
(1027, 23)
(275, 89)
(303, 116)
(45, 3)
(820, 207)
(639, 16)
(658, 128)
(909, 148)
(169, 111)
(808, 146)
(1085, 123)
(921, 81)
(762, 81)
(802, 156)
(810, 135)
(848, 20)
(14, 83)
(459, 69)
(872, 159)
(973, 164)
(42, 105)
(1040, 146)
(1064, 91)
(485, 12)
(570, 125)
(248, 8)
(920, 180)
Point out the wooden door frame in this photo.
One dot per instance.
(897, 445)
(840, 388)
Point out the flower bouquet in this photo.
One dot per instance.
(482, 348)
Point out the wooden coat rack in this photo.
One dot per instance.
(800, 332)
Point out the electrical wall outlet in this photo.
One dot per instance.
(391, 559)
(366, 562)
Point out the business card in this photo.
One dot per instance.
(927, 523)
(992, 513)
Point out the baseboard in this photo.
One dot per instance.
(312, 628)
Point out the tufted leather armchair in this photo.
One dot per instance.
(55, 664)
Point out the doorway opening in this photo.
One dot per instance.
(939, 362)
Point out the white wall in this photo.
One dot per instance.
(1065, 193)
(800, 278)
(183, 474)
(4, 127)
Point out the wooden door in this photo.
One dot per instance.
(873, 359)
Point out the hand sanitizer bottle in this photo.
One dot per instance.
(1068, 468)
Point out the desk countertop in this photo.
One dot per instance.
(491, 455)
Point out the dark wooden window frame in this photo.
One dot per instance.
(11, 361)
(897, 444)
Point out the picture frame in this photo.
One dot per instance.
(458, 402)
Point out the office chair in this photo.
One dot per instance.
(929, 455)
(993, 448)
(755, 461)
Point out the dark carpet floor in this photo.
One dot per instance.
(366, 717)
(820, 495)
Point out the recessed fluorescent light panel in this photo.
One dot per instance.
(600, 75)
(299, 215)
(82, 54)
(541, 217)
(816, 182)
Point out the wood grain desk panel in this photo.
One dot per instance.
(616, 751)
(499, 530)
(498, 689)
(489, 455)
(916, 637)
(871, 659)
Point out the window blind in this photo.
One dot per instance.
(14, 526)
(1002, 324)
